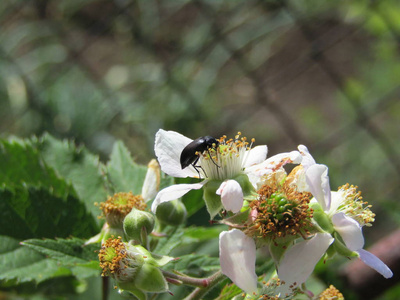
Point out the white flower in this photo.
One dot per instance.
(237, 253)
(345, 213)
(230, 159)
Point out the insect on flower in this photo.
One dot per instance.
(191, 153)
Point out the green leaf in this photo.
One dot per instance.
(229, 291)
(170, 242)
(78, 167)
(22, 165)
(125, 175)
(72, 254)
(29, 212)
(20, 264)
(197, 234)
(66, 251)
(194, 265)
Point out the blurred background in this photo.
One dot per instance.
(316, 72)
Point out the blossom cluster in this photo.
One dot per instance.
(295, 214)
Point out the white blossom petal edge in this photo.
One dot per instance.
(237, 254)
(231, 195)
(174, 192)
(299, 260)
(256, 155)
(168, 148)
(375, 263)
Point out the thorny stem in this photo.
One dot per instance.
(206, 285)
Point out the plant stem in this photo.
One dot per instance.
(104, 290)
(209, 283)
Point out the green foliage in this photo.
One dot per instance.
(48, 189)
(124, 174)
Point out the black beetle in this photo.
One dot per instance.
(190, 154)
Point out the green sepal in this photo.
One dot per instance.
(131, 288)
(150, 279)
(321, 218)
(341, 248)
(213, 201)
(238, 219)
(278, 250)
(245, 184)
(153, 259)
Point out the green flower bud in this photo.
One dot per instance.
(150, 279)
(171, 213)
(137, 224)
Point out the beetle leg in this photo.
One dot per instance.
(209, 154)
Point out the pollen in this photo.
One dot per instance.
(119, 260)
(354, 206)
(331, 293)
(111, 254)
(118, 206)
(228, 159)
(280, 211)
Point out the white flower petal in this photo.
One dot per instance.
(273, 163)
(336, 201)
(168, 148)
(151, 183)
(307, 160)
(375, 263)
(174, 192)
(318, 181)
(299, 260)
(231, 195)
(256, 155)
(237, 253)
(349, 230)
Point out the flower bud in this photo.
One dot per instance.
(137, 224)
(150, 279)
(171, 213)
(118, 206)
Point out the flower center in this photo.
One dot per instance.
(280, 212)
(111, 254)
(118, 261)
(353, 206)
(118, 206)
(331, 293)
(228, 159)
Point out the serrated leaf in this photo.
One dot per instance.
(197, 234)
(89, 269)
(67, 251)
(194, 264)
(229, 291)
(125, 175)
(22, 165)
(26, 265)
(81, 260)
(29, 212)
(170, 242)
(78, 167)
